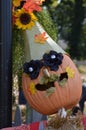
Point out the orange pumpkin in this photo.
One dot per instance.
(63, 94)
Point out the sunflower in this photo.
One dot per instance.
(24, 20)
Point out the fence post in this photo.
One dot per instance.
(18, 116)
(5, 64)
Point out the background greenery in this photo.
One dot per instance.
(70, 18)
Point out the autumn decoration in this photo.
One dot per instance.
(51, 83)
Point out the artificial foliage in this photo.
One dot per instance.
(47, 22)
(17, 55)
(17, 50)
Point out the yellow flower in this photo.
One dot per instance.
(70, 72)
(16, 2)
(24, 20)
(32, 88)
(41, 38)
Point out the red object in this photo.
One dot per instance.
(33, 126)
(84, 122)
(30, 6)
(22, 127)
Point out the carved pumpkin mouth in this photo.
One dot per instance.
(48, 81)
(43, 87)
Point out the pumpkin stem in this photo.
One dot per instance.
(46, 72)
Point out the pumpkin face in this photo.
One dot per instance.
(51, 83)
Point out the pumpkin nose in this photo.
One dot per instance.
(46, 72)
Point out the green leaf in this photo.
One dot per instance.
(53, 78)
(63, 82)
(43, 80)
(50, 91)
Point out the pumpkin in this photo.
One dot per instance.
(55, 84)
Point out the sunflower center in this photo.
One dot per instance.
(25, 18)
